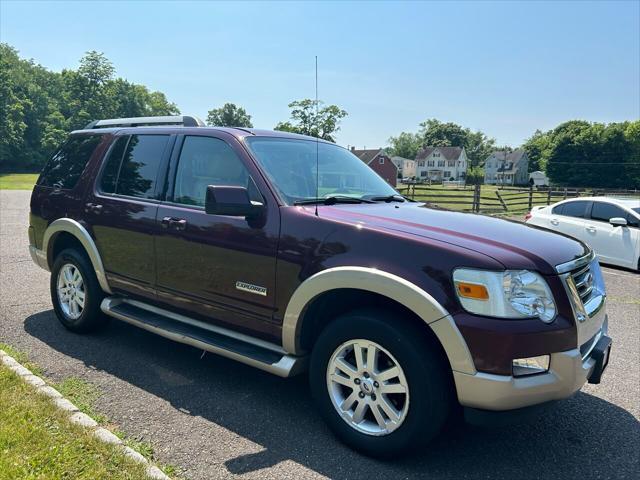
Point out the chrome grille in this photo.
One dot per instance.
(584, 281)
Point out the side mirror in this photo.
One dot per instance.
(618, 221)
(233, 201)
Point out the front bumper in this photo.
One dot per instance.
(568, 372)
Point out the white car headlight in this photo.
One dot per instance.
(508, 294)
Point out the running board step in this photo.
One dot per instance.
(237, 346)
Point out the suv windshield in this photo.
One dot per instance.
(291, 167)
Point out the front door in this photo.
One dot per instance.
(221, 268)
(122, 208)
(613, 244)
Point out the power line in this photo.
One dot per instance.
(594, 163)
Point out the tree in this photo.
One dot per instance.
(434, 133)
(309, 118)
(584, 154)
(405, 145)
(96, 68)
(475, 176)
(537, 148)
(39, 107)
(229, 115)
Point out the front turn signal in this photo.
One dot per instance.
(472, 290)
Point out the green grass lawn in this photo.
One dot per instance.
(489, 202)
(37, 440)
(18, 181)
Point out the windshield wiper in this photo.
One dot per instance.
(332, 200)
(388, 198)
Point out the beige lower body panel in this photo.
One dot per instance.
(567, 374)
(39, 257)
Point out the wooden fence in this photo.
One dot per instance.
(489, 198)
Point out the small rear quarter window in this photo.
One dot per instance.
(65, 167)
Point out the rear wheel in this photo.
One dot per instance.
(76, 293)
(381, 384)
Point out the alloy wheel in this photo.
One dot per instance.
(71, 291)
(367, 387)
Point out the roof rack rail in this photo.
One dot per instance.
(184, 120)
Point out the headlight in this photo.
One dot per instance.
(508, 294)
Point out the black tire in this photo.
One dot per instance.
(427, 374)
(91, 317)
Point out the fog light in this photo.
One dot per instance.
(530, 366)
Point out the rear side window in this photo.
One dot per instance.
(133, 166)
(557, 210)
(602, 211)
(574, 209)
(64, 169)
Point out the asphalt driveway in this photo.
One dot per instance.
(214, 418)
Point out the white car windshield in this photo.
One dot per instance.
(291, 167)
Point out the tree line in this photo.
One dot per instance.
(39, 107)
(575, 153)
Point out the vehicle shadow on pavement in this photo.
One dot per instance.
(583, 437)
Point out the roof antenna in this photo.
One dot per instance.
(317, 142)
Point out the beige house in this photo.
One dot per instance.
(406, 166)
(507, 168)
(441, 163)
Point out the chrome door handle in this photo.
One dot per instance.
(590, 229)
(177, 223)
(553, 221)
(180, 224)
(93, 207)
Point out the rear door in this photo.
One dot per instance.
(613, 244)
(221, 268)
(122, 208)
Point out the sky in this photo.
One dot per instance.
(506, 68)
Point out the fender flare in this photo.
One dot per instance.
(74, 227)
(383, 283)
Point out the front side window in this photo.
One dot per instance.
(141, 165)
(64, 169)
(602, 211)
(208, 161)
(574, 209)
(291, 167)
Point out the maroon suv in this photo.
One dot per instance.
(288, 253)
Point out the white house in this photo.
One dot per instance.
(507, 168)
(441, 163)
(539, 179)
(406, 166)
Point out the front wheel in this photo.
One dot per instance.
(381, 385)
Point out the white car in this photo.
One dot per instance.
(608, 225)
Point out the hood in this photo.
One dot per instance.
(515, 245)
